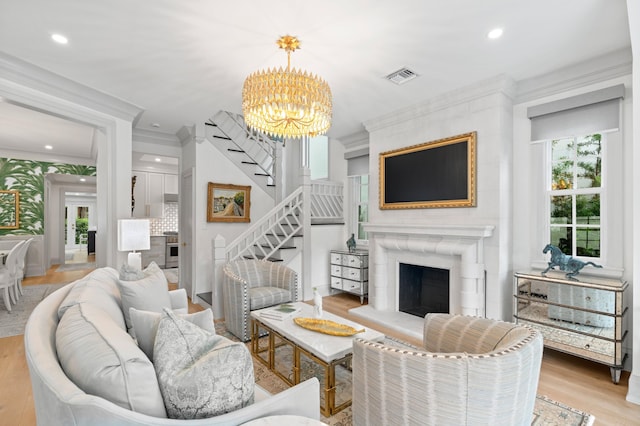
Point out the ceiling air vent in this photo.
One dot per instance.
(401, 76)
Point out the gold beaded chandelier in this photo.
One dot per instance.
(287, 103)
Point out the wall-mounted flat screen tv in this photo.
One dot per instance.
(436, 174)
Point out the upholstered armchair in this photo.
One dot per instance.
(249, 285)
(471, 371)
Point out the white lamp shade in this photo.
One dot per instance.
(134, 234)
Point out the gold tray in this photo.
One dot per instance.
(327, 326)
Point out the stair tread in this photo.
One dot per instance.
(286, 247)
(282, 235)
(257, 256)
(207, 297)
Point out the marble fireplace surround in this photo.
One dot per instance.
(458, 248)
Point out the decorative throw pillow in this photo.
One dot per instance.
(129, 273)
(148, 294)
(103, 360)
(145, 326)
(99, 288)
(200, 374)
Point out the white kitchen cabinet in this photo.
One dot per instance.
(148, 194)
(140, 195)
(170, 184)
(156, 252)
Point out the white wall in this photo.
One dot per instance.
(633, 9)
(485, 108)
(213, 166)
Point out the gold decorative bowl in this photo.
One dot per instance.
(327, 326)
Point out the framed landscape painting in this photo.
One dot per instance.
(436, 174)
(228, 203)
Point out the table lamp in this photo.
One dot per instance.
(134, 234)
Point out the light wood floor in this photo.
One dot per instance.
(581, 384)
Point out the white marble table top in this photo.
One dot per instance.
(326, 347)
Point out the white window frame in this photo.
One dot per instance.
(549, 192)
(354, 203)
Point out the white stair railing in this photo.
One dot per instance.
(262, 239)
(274, 230)
(327, 202)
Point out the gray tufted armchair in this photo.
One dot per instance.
(471, 371)
(254, 284)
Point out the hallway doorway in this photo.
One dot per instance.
(79, 222)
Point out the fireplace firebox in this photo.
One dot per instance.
(423, 290)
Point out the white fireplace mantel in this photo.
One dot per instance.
(467, 231)
(459, 246)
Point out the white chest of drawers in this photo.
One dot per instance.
(350, 272)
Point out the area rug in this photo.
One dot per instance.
(75, 266)
(13, 323)
(546, 412)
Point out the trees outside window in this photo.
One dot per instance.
(575, 192)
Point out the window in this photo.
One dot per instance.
(575, 191)
(359, 212)
(319, 157)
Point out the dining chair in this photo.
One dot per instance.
(8, 277)
(21, 266)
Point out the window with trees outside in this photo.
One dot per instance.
(359, 187)
(575, 192)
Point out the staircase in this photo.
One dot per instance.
(251, 151)
(279, 235)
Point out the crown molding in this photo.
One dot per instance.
(602, 68)
(35, 156)
(355, 141)
(28, 75)
(151, 136)
(499, 84)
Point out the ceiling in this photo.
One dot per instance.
(182, 61)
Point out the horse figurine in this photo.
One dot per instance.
(351, 244)
(565, 262)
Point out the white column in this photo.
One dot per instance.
(113, 186)
(305, 181)
(219, 259)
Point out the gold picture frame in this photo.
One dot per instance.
(228, 203)
(436, 174)
(9, 209)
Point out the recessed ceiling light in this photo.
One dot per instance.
(158, 160)
(156, 125)
(495, 33)
(48, 147)
(59, 38)
(83, 180)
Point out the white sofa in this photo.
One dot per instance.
(58, 401)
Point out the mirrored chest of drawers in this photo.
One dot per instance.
(350, 272)
(585, 317)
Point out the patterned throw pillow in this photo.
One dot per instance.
(200, 374)
(145, 326)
